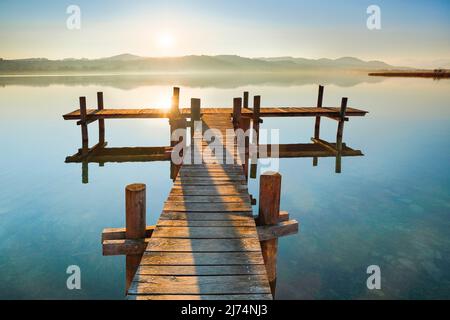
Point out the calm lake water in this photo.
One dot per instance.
(389, 208)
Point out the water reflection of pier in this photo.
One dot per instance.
(207, 244)
(317, 149)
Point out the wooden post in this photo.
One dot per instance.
(269, 212)
(256, 118)
(175, 120)
(317, 124)
(245, 125)
(84, 172)
(195, 112)
(175, 108)
(84, 129)
(246, 99)
(253, 170)
(339, 134)
(101, 122)
(135, 204)
(135, 211)
(195, 116)
(237, 108)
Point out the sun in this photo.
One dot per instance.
(164, 101)
(165, 40)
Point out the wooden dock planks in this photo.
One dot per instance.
(153, 113)
(205, 244)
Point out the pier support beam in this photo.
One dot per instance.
(245, 125)
(237, 110)
(101, 122)
(245, 101)
(269, 210)
(256, 118)
(84, 129)
(317, 124)
(135, 204)
(175, 107)
(195, 109)
(339, 134)
(85, 172)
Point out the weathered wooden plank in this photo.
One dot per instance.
(124, 246)
(217, 190)
(201, 297)
(188, 179)
(206, 223)
(185, 112)
(211, 167)
(280, 229)
(326, 145)
(210, 216)
(201, 258)
(209, 199)
(207, 207)
(209, 174)
(209, 183)
(234, 187)
(201, 270)
(235, 284)
(203, 245)
(205, 233)
(119, 233)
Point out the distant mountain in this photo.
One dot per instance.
(192, 63)
(344, 62)
(123, 57)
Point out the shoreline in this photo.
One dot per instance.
(415, 74)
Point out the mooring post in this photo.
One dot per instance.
(175, 107)
(339, 134)
(245, 126)
(135, 210)
(195, 112)
(269, 212)
(175, 120)
(84, 129)
(317, 125)
(179, 123)
(237, 108)
(245, 99)
(195, 117)
(101, 122)
(256, 118)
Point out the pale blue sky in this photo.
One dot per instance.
(411, 30)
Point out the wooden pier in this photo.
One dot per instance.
(178, 117)
(207, 244)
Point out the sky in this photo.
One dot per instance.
(412, 32)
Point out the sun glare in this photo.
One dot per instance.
(165, 40)
(164, 102)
